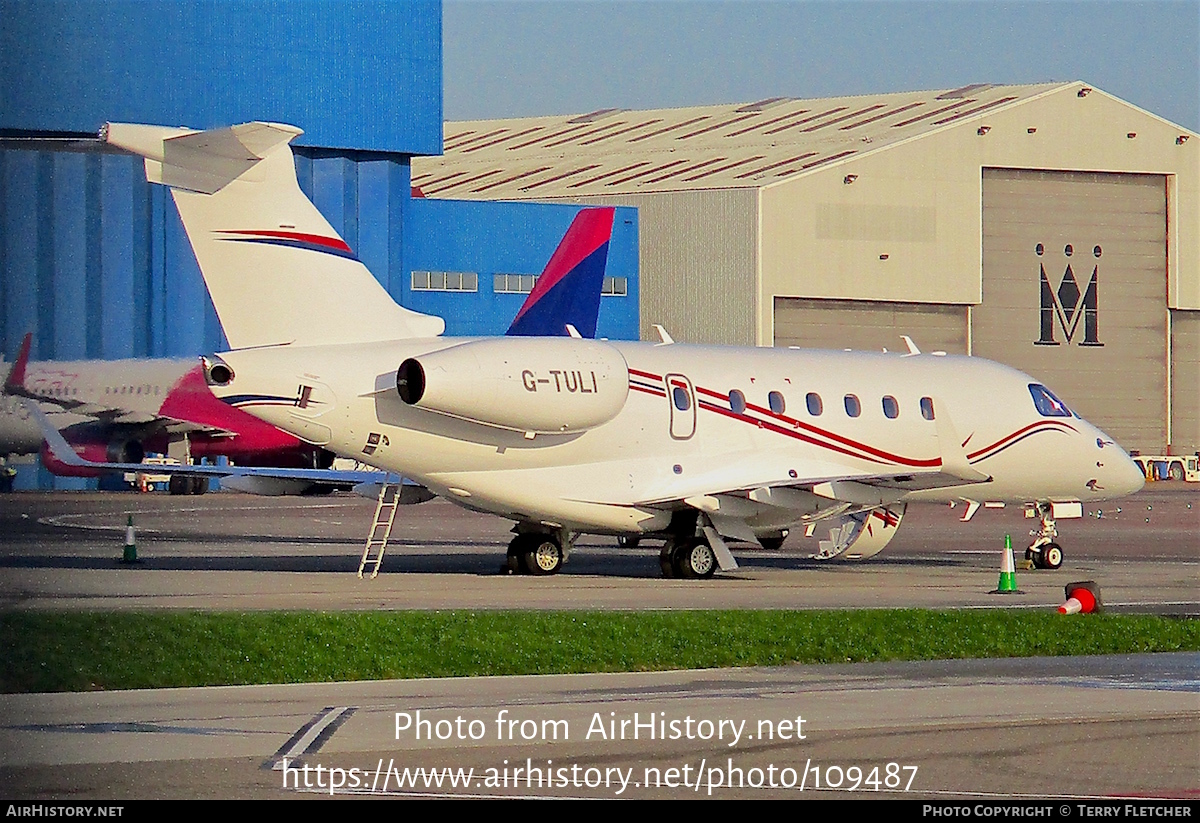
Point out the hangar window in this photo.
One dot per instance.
(927, 408)
(737, 401)
(513, 283)
(853, 407)
(445, 281)
(775, 401)
(813, 400)
(1046, 403)
(615, 287)
(891, 409)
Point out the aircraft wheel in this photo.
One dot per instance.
(544, 555)
(666, 560)
(515, 562)
(1052, 556)
(178, 484)
(696, 559)
(629, 541)
(199, 485)
(772, 543)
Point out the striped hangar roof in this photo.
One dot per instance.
(730, 146)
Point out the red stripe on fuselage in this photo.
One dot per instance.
(1051, 423)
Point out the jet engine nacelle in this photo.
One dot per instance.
(541, 385)
(98, 450)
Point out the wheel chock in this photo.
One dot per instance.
(129, 555)
(1082, 598)
(1008, 571)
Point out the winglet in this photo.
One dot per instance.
(568, 290)
(15, 382)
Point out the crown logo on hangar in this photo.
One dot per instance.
(1069, 304)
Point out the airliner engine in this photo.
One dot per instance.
(98, 447)
(540, 385)
(862, 535)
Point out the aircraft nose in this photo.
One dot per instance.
(1122, 475)
(1130, 478)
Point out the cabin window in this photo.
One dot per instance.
(737, 401)
(927, 408)
(775, 401)
(853, 407)
(891, 409)
(813, 400)
(1046, 403)
(679, 397)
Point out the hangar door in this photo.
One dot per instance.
(868, 325)
(1074, 292)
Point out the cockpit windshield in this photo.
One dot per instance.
(1046, 403)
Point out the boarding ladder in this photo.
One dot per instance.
(381, 526)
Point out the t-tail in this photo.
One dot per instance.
(568, 291)
(276, 270)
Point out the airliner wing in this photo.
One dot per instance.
(63, 452)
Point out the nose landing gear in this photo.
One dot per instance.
(1044, 553)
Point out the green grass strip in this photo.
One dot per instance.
(122, 650)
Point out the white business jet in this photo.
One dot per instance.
(566, 435)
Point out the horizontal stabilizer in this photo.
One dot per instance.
(201, 161)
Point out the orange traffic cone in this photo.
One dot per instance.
(1082, 598)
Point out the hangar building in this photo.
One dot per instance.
(1051, 227)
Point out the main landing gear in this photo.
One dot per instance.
(535, 553)
(1044, 553)
(689, 558)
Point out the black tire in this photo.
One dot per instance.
(1175, 471)
(199, 485)
(1052, 556)
(178, 484)
(543, 555)
(773, 544)
(695, 560)
(666, 561)
(515, 562)
(628, 541)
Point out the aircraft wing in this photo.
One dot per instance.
(755, 473)
(63, 452)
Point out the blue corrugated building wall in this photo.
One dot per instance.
(94, 260)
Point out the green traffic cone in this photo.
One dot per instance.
(130, 554)
(1008, 571)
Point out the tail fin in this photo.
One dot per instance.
(276, 270)
(568, 290)
(14, 383)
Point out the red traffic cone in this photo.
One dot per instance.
(1082, 598)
